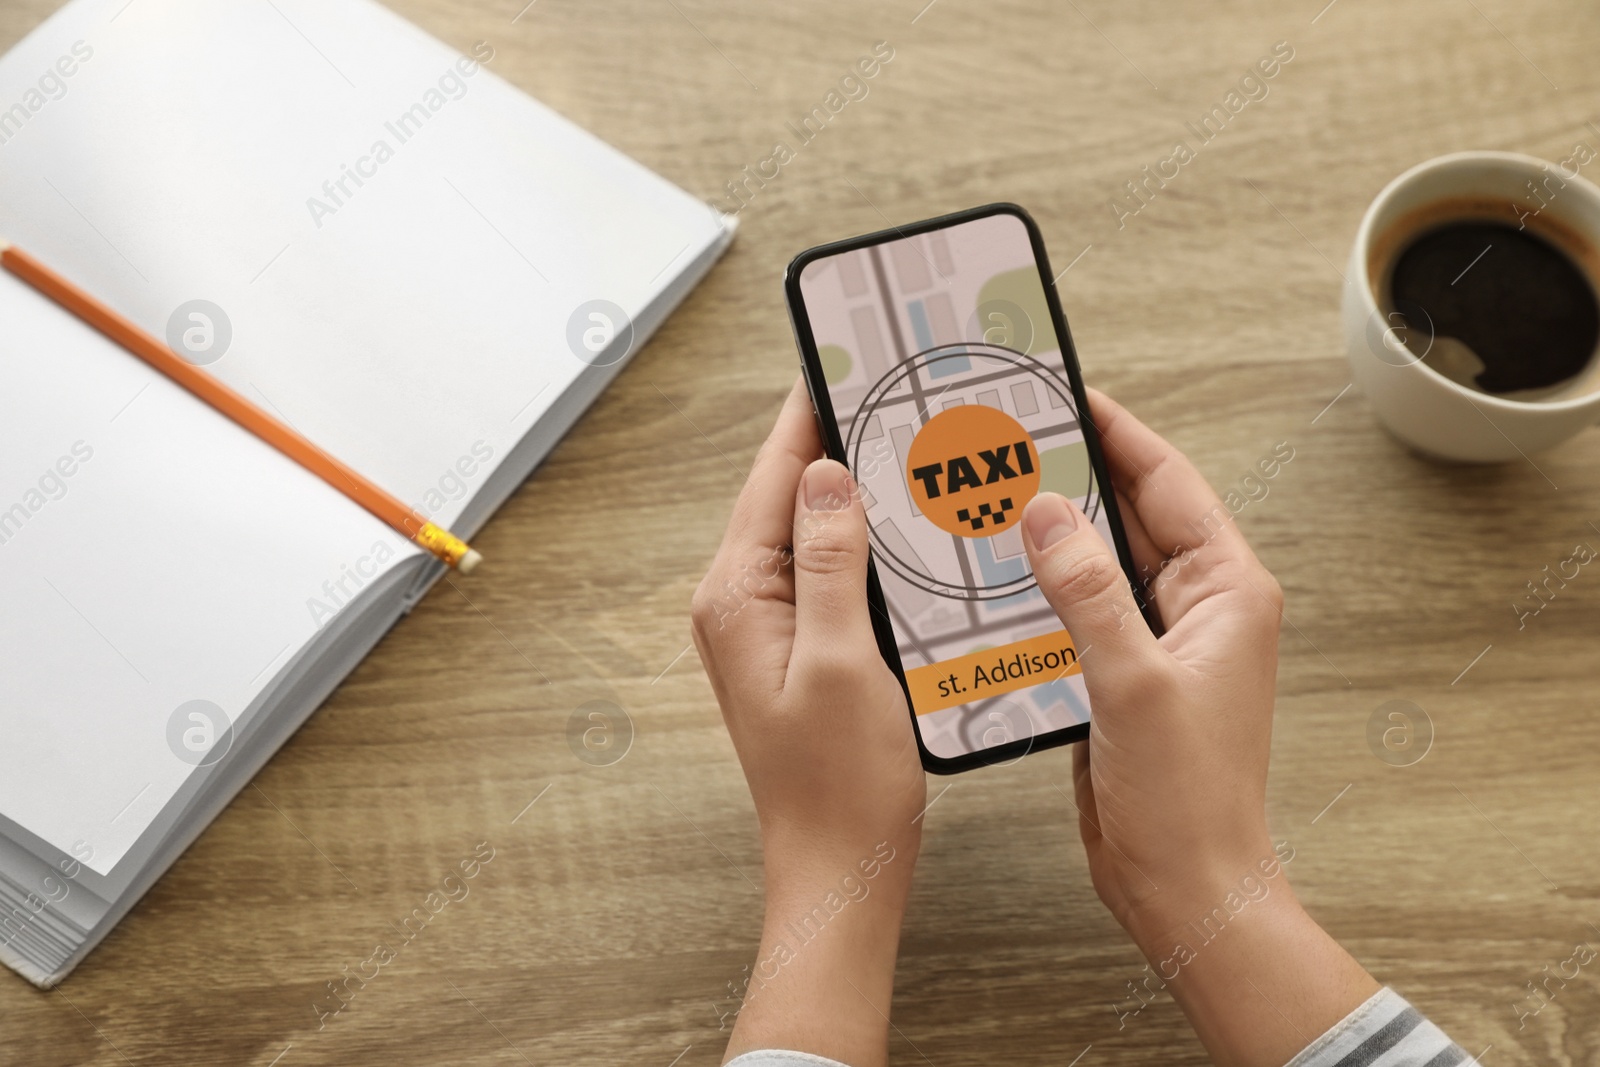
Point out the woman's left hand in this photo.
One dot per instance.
(822, 730)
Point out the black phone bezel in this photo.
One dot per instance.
(822, 406)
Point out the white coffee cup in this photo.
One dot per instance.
(1425, 410)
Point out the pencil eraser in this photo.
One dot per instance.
(470, 561)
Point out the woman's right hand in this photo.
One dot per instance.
(1171, 784)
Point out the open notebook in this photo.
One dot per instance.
(400, 256)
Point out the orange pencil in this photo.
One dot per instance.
(441, 542)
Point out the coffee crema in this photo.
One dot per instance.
(1506, 310)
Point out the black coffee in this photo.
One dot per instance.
(1523, 307)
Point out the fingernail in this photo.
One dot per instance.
(827, 486)
(1048, 518)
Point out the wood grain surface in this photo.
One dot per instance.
(618, 908)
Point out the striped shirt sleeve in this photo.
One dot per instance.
(1386, 1031)
(779, 1058)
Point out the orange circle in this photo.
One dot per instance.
(972, 469)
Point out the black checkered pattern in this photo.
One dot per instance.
(996, 516)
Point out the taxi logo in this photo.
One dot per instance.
(972, 469)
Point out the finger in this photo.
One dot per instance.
(1147, 558)
(760, 528)
(1187, 524)
(1170, 496)
(765, 509)
(1082, 579)
(830, 563)
(1083, 795)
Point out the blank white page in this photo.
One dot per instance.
(418, 318)
(415, 325)
(151, 554)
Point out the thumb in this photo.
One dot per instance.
(1082, 579)
(830, 560)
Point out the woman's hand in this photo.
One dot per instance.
(823, 733)
(1171, 785)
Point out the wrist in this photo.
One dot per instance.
(1257, 977)
(1200, 907)
(802, 870)
(1209, 933)
(823, 979)
(860, 928)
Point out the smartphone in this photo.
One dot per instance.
(943, 377)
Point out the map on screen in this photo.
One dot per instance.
(950, 392)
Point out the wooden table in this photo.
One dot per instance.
(618, 908)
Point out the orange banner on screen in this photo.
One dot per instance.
(1004, 669)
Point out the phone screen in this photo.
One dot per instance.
(950, 392)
